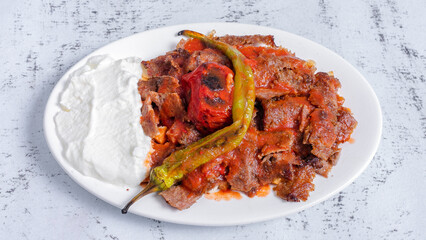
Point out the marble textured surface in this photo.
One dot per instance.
(40, 40)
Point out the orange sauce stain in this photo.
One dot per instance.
(147, 162)
(223, 195)
(351, 140)
(263, 191)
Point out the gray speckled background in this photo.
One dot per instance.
(40, 40)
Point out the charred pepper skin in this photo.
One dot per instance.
(184, 161)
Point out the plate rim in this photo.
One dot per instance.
(69, 172)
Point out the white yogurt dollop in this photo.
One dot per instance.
(99, 123)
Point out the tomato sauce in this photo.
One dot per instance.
(193, 45)
(223, 195)
(263, 191)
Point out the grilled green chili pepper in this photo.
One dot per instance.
(184, 161)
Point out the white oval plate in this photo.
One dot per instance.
(355, 157)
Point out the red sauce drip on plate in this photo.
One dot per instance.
(223, 195)
(263, 191)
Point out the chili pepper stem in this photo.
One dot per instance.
(150, 188)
